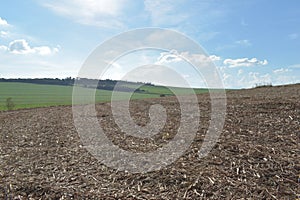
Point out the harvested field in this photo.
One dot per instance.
(256, 157)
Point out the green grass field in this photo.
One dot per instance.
(26, 95)
(164, 90)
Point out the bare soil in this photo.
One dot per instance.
(256, 157)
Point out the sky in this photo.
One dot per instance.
(249, 41)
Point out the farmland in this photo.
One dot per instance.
(256, 157)
(27, 95)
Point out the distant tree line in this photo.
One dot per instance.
(108, 84)
(263, 84)
(46, 81)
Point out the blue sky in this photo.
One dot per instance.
(250, 42)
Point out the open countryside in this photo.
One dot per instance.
(28, 95)
(149, 100)
(256, 156)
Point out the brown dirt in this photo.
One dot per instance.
(256, 157)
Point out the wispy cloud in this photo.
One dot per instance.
(243, 22)
(240, 72)
(4, 34)
(164, 12)
(281, 70)
(104, 13)
(3, 48)
(258, 78)
(293, 36)
(181, 13)
(297, 66)
(235, 44)
(245, 43)
(244, 62)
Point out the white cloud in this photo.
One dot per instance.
(244, 80)
(45, 50)
(103, 13)
(115, 71)
(297, 66)
(257, 78)
(293, 36)
(168, 57)
(4, 34)
(214, 58)
(281, 70)
(19, 47)
(226, 77)
(245, 43)
(240, 72)
(3, 48)
(22, 47)
(174, 56)
(251, 79)
(244, 62)
(186, 76)
(157, 74)
(3, 22)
